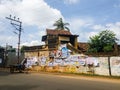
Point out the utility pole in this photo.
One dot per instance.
(109, 66)
(17, 24)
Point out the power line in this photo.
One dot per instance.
(17, 24)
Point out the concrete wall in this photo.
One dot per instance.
(37, 54)
(103, 69)
(78, 63)
(115, 66)
(75, 67)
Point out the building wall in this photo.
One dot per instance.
(74, 67)
(63, 38)
(36, 54)
(77, 63)
(115, 66)
(103, 68)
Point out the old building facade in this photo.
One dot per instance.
(53, 39)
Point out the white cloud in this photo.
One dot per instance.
(37, 12)
(77, 23)
(1, 28)
(32, 43)
(71, 1)
(80, 26)
(98, 27)
(32, 13)
(84, 36)
(4, 39)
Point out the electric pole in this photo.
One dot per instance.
(17, 24)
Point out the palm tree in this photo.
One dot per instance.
(60, 25)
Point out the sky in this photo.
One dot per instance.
(86, 18)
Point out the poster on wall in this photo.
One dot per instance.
(64, 51)
(31, 61)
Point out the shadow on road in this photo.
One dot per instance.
(3, 73)
(6, 72)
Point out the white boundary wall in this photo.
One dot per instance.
(115, 66)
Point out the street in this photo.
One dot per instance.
(47, 81)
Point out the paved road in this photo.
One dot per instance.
(38, 81)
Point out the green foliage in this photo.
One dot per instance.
(12, 50)
(60, 25)
(94, 44)
(107, 48)
(103, 42)
(22, 49)
(107, 37)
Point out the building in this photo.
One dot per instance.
(53, 39)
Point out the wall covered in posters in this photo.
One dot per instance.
(61, 60)
(80, 64)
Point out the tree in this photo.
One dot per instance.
(94, 44)
(60, 25)
(22, 49)
(103, 42)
